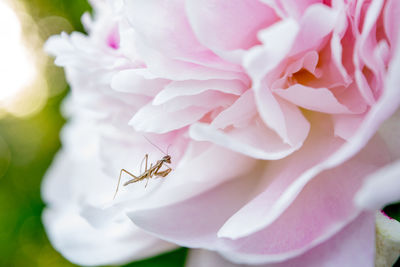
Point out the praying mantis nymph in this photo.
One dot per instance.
(153, 171)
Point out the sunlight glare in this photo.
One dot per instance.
(16, 67)
(22, 88)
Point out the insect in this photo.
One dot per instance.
(153, 171)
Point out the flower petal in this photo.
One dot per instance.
(131, 81)
(282, 244)
(381, 188)
(317, 99)
(247, 133)
(283, 186)
(195, 87)
(256, 140)
(155, 119)
(217, 14)
(283, 117)
(353, 246)
(66, 188)
(277, 42)
(82, 244)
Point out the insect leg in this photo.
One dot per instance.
(119, 180)
(162, 173)
(149, 175)
(141, 164)
(135, 178)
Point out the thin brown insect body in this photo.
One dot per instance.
(153, 171)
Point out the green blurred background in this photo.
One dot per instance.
(29, 138)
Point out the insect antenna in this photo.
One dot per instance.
(156, 146)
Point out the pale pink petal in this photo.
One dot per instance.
(367, 40)
(378, 112)
(220, 100)
(382, 110)
(271, 77)
(366, 55)
(338, 55)
(239, 114)
(281, 116)
(326, 212)
(277, 114)
(249, 135)
(195, 221)
(202, 214)
(346, 125)
(131, 81)
(350, 97)
(255, 140)
(318, 227)
(82, 244)
(290, 8)
(163, 27)
(381, 188)
(284, 183)
(302, 70)
(193, 87)
(67, 188)
(317, 22)
(56, 45)
(392, 9)
(317, 99)
(170, 31)
(62, 185)
(177, 70)
(217, 14)
(156, 119)
(277, 41)
(354, 245)
(364, 87)
(203, 167)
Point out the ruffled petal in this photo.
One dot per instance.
(282, 116)
(118, 243)
(156, 119)
(353, 246)
(67, 189)
(216, 14)
(131, 81)
(316, 99)
(283, 185)
(381, 188)
(192, 87)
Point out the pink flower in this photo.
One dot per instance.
(272, 111)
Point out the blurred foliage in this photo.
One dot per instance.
(27, 146)
(393, 211)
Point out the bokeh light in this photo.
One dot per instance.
(23, 89)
